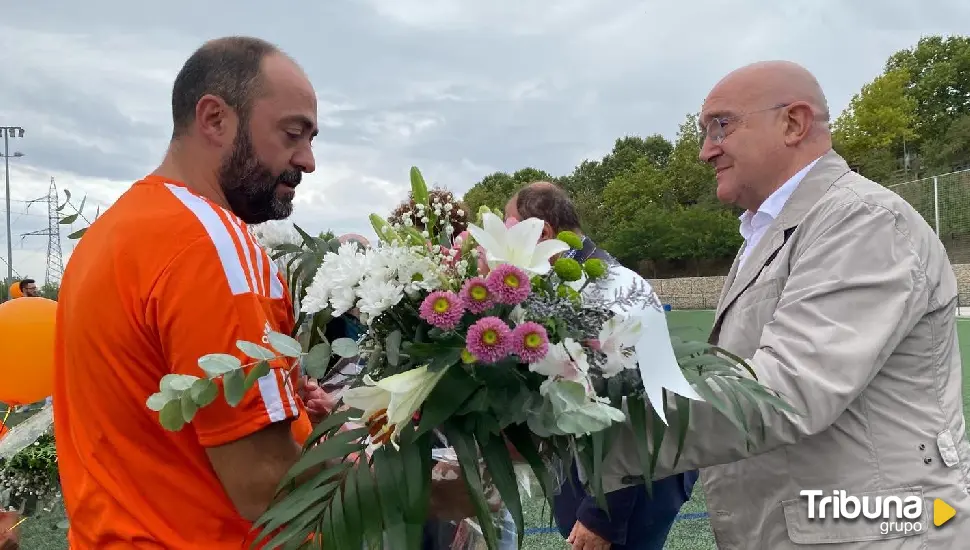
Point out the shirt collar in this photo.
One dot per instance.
(772, 206)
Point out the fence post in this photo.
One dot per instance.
(936, 203)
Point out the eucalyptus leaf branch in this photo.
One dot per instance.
(180, 396)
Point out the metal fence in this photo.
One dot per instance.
(944, 202)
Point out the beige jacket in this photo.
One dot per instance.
(853, 320)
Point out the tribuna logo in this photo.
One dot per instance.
(895, 514)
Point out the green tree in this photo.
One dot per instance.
(50, 291)
(689, 180)
(669, 213)
(938, 71)
(591, 178)
(495, 190)
(871, 132)
(952, 152)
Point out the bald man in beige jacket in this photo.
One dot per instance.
(843, 299)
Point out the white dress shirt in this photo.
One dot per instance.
(754, 225)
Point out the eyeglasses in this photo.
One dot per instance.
(715, 127)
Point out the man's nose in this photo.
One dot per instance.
(304, 160)
(709, 150)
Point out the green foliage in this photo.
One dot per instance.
(669, 212)
(33, 471)
(646, 199)
(496, 189)
(952, 150)
(938, 70)
(78, 214)
(180, 396)
(917, 107)
(879, 118)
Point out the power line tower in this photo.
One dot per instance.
(55, 258)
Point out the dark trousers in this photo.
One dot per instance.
(648, 519)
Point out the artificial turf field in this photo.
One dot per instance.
(690, 532)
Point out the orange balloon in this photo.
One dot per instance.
(15, 291)
(27, 341)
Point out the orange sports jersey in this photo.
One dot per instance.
(162, 278)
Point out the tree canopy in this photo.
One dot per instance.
(651, 202)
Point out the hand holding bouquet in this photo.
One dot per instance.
(490, 340)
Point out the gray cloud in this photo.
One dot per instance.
(459, 88)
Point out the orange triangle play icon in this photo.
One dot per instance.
(942, 512)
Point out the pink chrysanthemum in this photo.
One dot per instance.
(489, 339)
(476, 296)
(442, 309)
(530, 342)
(509, 284)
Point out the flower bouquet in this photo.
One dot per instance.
(491, 340)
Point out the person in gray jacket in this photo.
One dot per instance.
(842, 299)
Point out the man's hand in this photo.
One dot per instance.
(450, 500)
(9, 535)
(318, 402)
(582, 538)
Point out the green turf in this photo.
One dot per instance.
(41, 533)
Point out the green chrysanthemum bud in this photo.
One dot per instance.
(568, 269)
(595, 268)
(467, 357)
(571, 239)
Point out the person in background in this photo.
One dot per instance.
(28, 288)
(636, 521)
(21, 289)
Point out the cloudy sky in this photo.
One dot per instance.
(460, 88)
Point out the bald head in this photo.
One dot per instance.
(229, 68)
(776, 82)
(354, 237)
(763, 123)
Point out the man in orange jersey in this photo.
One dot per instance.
(131, 311)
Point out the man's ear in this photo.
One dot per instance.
(548, 232)
(215, 120)
(800, 120)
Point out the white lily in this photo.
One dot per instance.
(617, 338)
(517, 245)
(564, 361)
(390, 403)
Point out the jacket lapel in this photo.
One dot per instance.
(721, 301)
(729, 281)
(817, 181)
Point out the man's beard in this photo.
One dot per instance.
(250, 187)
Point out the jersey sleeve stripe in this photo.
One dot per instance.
(225, 246)
(264, 270)
(262, 262)
(242, 250)
(254, 251)
(269, 390)
(275, 281)
(285, 379)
